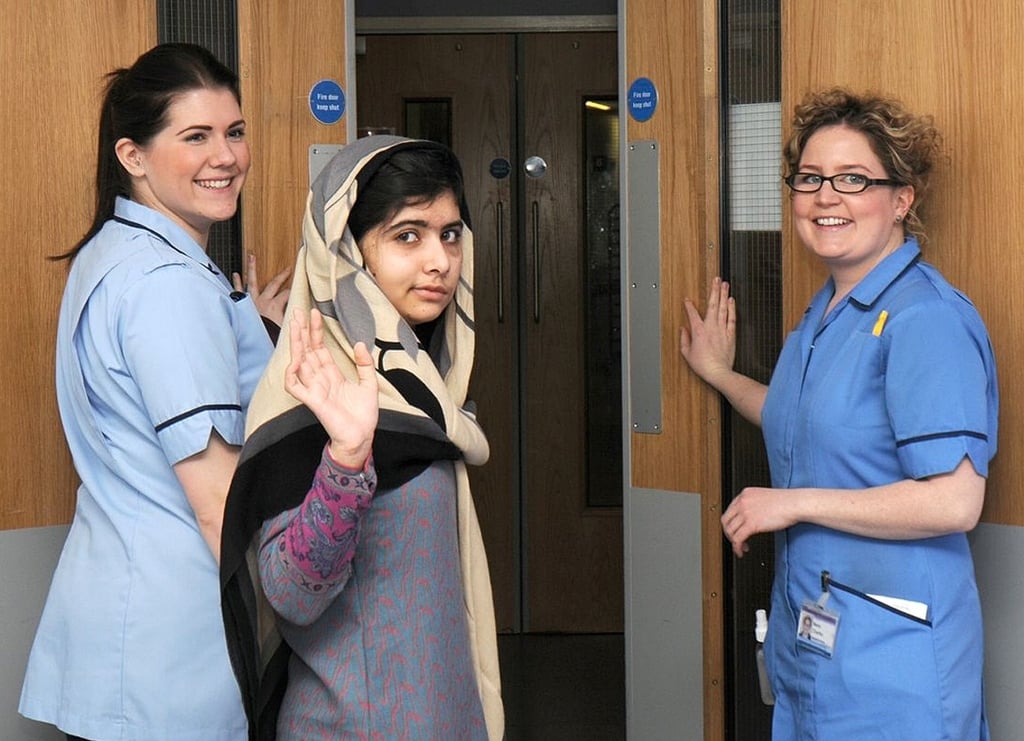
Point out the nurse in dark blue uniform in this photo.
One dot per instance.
(879, 421)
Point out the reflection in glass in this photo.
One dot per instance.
(374, 131)
(603, 355)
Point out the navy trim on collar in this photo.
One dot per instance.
(885, 273)
(136, 225)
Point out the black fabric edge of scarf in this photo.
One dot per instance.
(267, 478)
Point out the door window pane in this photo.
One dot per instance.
(603, 304)
(429, 118)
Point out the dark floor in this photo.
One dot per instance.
(563, 687)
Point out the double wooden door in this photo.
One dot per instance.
(514, 109)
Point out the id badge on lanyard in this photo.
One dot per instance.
(817, 626)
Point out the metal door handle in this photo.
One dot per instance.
(499, 220)
(535, 212)
(535, 166)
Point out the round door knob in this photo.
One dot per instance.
(535, 167)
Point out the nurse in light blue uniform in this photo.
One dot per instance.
(157, 359)
(880, 421)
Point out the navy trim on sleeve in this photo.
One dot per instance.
(942, 435)
(192, 412)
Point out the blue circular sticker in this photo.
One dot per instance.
(642, 99)
(327, 102)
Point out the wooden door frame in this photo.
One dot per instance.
(367, 25)
(382, 107)
(676, 46)
(283, 49)
(693, 252)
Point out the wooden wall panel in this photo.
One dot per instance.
(674, 44)
(54, 54)
(61, 50)
(284, 49)
(960, 62)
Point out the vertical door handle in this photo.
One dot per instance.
(535, 217)
(499, 221)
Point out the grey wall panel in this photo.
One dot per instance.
(664, 616)
(999, 563)
(28, 558)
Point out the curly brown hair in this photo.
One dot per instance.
(906, 144)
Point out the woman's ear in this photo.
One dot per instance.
(368, 249)
(130, 156)
(904, 200)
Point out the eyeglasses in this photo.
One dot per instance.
(843, 182)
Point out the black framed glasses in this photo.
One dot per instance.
(843, 182)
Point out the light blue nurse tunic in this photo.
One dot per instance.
(897, 382)
(153, 354)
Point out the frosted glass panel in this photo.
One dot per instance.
(755, 153)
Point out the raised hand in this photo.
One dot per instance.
(709, 345)
(273, 298)
(347, 410)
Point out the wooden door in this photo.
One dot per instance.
(472, 74)
(555, 566)
(572, 551)
(283, 49)
(65, 49)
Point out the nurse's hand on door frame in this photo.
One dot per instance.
(709, 347)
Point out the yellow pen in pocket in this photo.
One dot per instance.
(880, 323)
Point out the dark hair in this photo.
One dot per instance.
(907, 145)
(135, 107)
(410, 176)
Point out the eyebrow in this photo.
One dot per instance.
(841, 168)
(421, 224)
(207, 127)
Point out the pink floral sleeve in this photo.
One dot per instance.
(306, 552)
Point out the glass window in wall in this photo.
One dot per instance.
(752, 245)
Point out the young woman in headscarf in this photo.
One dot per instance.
(351, 510)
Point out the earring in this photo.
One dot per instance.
(899, 218)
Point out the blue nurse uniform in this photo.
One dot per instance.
(153, 354)
(897, 382)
